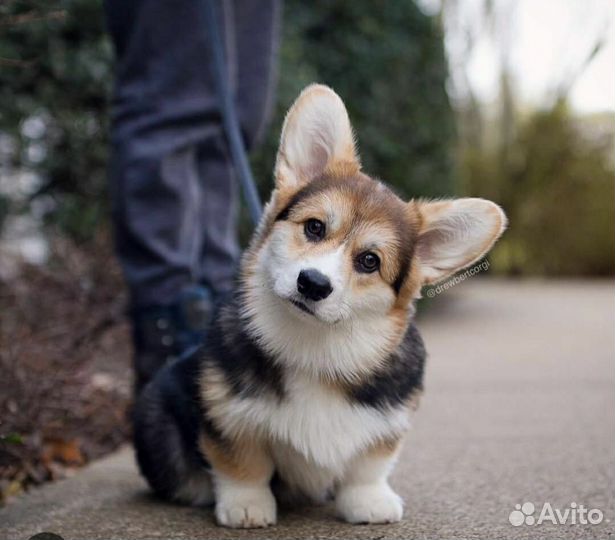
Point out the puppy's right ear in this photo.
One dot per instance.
(316, 136)
(454, 234)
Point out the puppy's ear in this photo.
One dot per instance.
(316, 136)
(454, 234)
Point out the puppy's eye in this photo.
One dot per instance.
(367, 262)
(314, 230)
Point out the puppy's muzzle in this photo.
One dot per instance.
(313, 284)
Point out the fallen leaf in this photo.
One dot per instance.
(65, 452)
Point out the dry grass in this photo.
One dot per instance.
(65, 364)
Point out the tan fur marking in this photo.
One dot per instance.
(411, 288)
(242, 456)
(244, 459)
(216, 396)
(214, 388)
(383, 448)
(345, 167)
(414, 399)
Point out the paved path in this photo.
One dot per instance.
(519, 406)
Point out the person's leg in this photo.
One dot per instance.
(257, 30)
(164, 114)
(252, 38)
(219, 255)
(156, 211)
(172, 189)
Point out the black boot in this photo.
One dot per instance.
(163, 333)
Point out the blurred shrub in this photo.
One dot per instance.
(55, 80)
(386, 60)
(556, 183)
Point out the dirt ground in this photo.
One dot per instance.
(64, 359)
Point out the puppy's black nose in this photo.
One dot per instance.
(313, 285)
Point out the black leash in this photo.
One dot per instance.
(229, 115)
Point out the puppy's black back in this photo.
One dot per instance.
(167, 419)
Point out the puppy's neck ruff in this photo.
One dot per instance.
(348, 350)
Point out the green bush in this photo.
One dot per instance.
(386, 60)
(558, 191)
(55, 80)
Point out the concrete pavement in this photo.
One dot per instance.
(519, 406)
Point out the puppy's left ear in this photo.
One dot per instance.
(316, 135)
(454, 234)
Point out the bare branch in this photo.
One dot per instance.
(16, 62)
(33, 16)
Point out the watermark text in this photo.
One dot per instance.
(455, 280)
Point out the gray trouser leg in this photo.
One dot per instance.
(173, 193)
(219, 251)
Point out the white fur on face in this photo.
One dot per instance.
(279, 267)
(346, 350)
(349, 334)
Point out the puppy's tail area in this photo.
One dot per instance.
(167, 456)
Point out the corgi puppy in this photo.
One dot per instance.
(306, 380)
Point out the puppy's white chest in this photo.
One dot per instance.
(319, 424)
(324, 426)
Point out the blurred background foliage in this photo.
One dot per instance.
(549, 169)
(55, 82)
(556, 182)
(389, 67)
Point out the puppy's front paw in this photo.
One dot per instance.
(369, 504)
(247, 509)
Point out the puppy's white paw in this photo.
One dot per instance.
(249, 509)
(369, 504)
